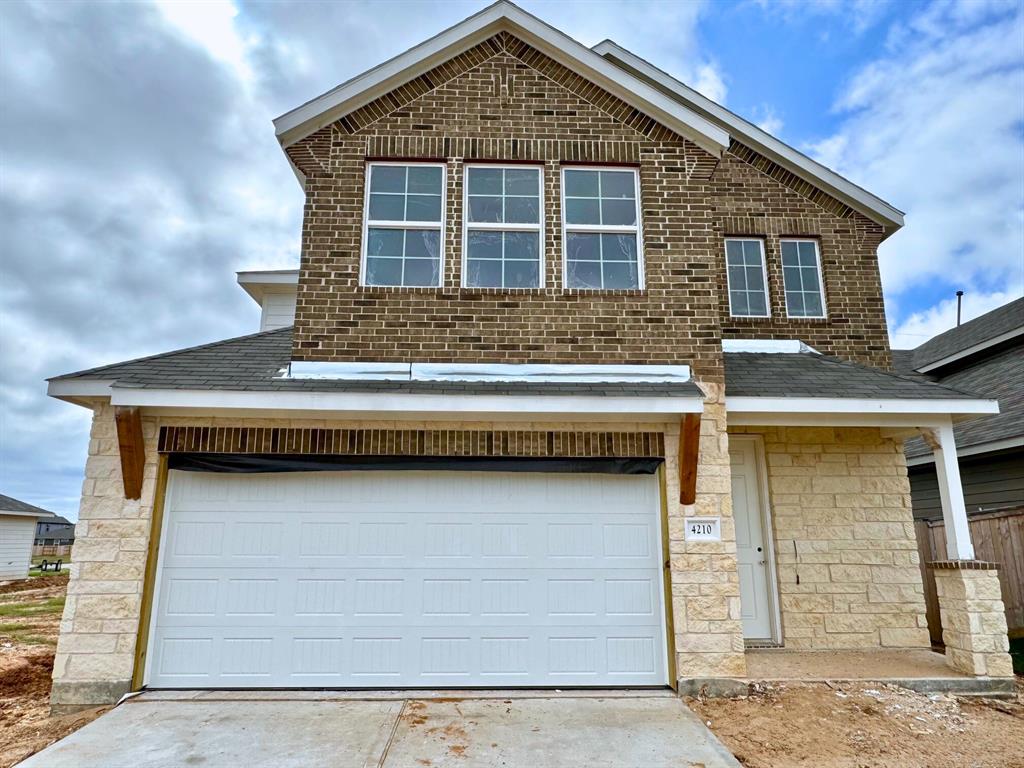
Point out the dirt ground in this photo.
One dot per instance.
(30, 613)
(818, 725)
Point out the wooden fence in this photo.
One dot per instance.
(47, 550)
(998, 537)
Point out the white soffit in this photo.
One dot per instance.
(855, 405)
(809, 170)
(501, 16)
(779, 346)
(498, 372)
(257, 283)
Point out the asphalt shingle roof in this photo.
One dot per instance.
(252, 363)
(805, 374)
(9, 504)
(990, 325)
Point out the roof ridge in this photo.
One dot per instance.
(172, 353)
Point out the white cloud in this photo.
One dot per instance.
(934, 127)
(921, 326)
(858, 14)
(211, 25)
(767, 119)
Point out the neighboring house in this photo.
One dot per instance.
(17, 526)
(54, 536)
(984, 356)
(586, 383)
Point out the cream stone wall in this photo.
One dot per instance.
(973, 621)
(840, 504)
(96, 649)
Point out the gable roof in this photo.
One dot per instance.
(984, 332)
(11, 506)
(764, 143)
(300, 122)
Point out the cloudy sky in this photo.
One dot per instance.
(140, 170)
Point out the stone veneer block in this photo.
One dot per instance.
(973, 618)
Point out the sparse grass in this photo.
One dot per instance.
(51, 606)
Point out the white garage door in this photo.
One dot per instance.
(409, 578)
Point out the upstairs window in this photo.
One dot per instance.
(601, 213)
(404, 224)
(801, 275)
(503, 232)
(747, 277)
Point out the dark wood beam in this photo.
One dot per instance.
(132, 449)
(689, 451)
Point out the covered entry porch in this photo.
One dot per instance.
(827, 558)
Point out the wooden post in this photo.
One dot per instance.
(689, 451)
(132, 449)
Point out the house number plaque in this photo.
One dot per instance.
(703, 529)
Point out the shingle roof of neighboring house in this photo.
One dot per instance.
(999, 321)
(58, 520)
(1001, 377)
(253, 363)
(803, 374)
(8, 504)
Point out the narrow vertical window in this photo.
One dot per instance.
(801, 275)
(747, 277)
(601, 214)
(403, 225)
(503, 230)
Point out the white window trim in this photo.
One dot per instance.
(440, 226)
(764, 274)
(821, 279)
(502, 227)
(607, 229)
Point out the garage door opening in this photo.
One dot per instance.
(409, 578)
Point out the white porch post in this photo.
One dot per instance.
(951, 493)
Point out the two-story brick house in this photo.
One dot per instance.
(582, 381)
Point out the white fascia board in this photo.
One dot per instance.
(21, 513)
(340, 403)
(972, 350)
(257, 283)
(809, 170)
(780, 346)
(349, 96)
(67, 388)
(843, 405)
(972, 450)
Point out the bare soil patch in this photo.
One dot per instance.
(819, 725)
(30, 612)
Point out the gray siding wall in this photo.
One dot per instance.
(990, 483)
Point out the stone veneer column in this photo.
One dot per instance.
(705, 583)
(973, 617)
(96, 648)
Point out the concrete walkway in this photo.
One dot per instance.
(248, 731)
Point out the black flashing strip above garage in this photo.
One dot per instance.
(239, 463)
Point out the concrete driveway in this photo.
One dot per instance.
(284, 729)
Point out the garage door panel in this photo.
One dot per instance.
(367, 579)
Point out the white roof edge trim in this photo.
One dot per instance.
(497, 372)
(257, 283)
(41, 514)
(381, 402)
(349, 96)
(811, 170)
(808, 405)
(780, 346)
(971, 450)
(981, 346)
(79, 387)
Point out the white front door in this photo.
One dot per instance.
(752, 551)
(409, 579)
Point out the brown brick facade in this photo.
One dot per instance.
(503, 100)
